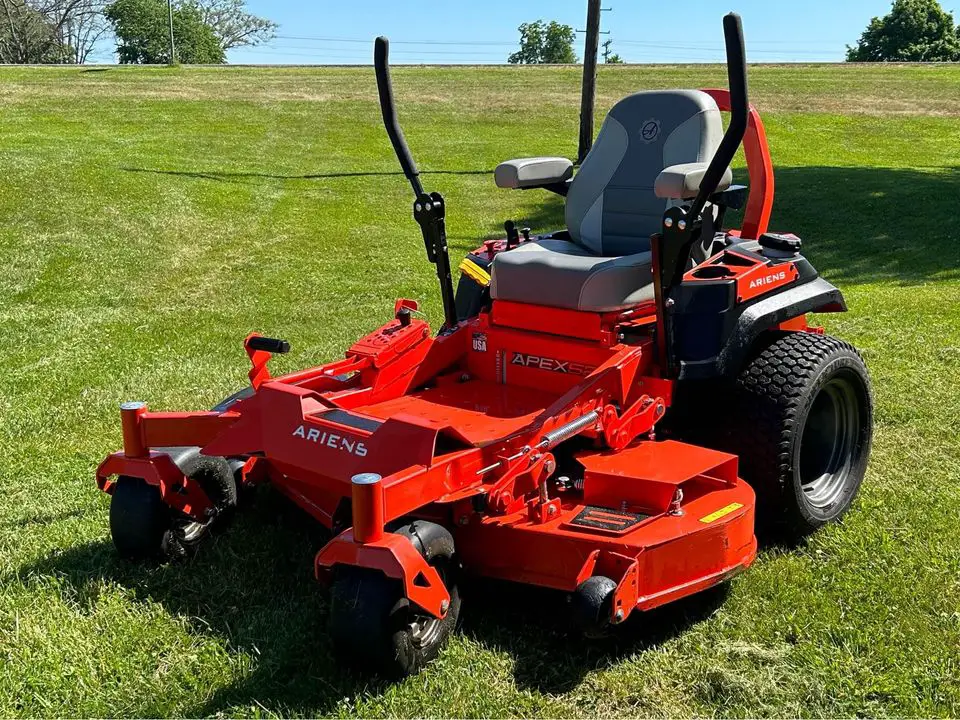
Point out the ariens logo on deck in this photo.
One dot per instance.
(332, 440)
(546, 363)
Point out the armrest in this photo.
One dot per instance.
(682, 182)
(532, 172)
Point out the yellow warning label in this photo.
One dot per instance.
(717, 514)
(474, 271)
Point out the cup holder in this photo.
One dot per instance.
(713, 272)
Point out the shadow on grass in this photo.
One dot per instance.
(859, 224)
(44, 518)
(545, 217)
(863, 225)
(253, 588)
(256, 176)
(533, 625)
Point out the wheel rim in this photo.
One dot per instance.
(425, 630)
(829, 441)
(186, 528)
(191, 530)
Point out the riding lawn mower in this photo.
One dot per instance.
(607, 410)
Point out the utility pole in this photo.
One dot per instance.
(606, 49)
(589, 89)
(173, 48)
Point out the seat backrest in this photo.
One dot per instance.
(611, 207)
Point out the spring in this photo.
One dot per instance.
(567, 431)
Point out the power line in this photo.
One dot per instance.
(660, 50)
(666, 53)
(639, 44)
(705, 45)
(663, 46)
(399, 42)
(364, 52)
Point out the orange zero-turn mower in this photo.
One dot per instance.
(605, 409)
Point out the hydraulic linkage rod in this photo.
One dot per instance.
(550, 440)
(429, 210)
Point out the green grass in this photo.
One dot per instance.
(150, 219)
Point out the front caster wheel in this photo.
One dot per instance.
(376, 628)
(591, 603)
(803, 429)
(144, 527)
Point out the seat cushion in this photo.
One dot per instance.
(559, 273)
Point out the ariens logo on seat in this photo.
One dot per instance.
(332, 440)
(650, 130)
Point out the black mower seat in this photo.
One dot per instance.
(651, 153)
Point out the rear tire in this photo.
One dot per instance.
(802, 427)
(375, 628)
(144, 527)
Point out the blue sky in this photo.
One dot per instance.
(485, 31)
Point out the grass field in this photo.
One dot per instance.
(150, 219)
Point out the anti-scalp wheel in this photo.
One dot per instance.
(591, 603)
(144, 527)
(377, 629)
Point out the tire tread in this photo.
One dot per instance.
(769, 395)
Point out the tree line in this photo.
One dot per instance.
(68, 31)
(551, 43)
(913, 31)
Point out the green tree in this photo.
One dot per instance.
(233, 25)
(913, 31)
(143, 34)
(543, 43)
(26, 36)
(49, 31)
(610, 57)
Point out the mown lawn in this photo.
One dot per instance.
(150, 219)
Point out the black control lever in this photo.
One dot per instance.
(681, 225)
(513, 237)
(381, 65)
(429, 209)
